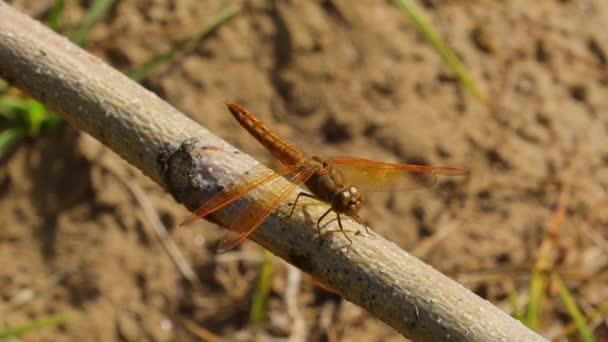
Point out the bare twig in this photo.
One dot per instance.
(447, 225)
(164, 144)
(159, 229)
(446, 228)
(202, 333)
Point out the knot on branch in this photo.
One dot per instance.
(190, 172)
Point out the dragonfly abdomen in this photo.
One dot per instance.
(276, 145)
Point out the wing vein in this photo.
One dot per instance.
(254, 178)
(260, 208)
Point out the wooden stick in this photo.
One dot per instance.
(190, 162)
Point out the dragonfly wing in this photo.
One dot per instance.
(269, 198)
(254, 178)
(370, 175)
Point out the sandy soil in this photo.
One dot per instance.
(339, 78)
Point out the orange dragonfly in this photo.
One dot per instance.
(339, 182)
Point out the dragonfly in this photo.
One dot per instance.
(339, 182)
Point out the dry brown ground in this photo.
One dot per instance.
(336, 77)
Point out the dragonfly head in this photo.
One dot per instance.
(347, 201)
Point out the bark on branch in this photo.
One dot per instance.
(190, 162)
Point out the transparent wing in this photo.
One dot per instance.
(269, 198)
(370, 175)
(252, 179)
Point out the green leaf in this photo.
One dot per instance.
(9, 137)
(52, 121)
(28, 116)
(36, 114)
(12, 107)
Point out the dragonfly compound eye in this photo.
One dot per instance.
(349, 201)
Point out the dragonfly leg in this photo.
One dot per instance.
(319, 222)
(360, 221)
(296, 202)
(342, 230)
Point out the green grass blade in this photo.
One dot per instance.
(9, 137)
(96, 12)
(38, 324)
(260, 295)
(537, 291)
(573, 310)
(517, 314)
(141, 72)
(55, 14)
(598, 314)
(409, 9)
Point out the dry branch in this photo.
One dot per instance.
(174, 151)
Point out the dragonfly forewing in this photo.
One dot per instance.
(268, 198)
(251, 180)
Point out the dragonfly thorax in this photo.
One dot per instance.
(328, 186)
(347, 201)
